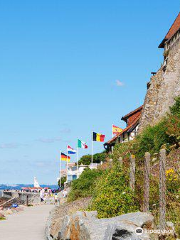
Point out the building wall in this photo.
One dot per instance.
(164, 86)
(130, 136)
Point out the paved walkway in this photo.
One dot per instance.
(26, 225)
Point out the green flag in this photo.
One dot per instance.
(81, 144)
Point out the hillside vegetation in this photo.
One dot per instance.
(109, 185)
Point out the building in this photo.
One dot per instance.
(72, 170)
(129, 133)
(164, 85)
(63, 173)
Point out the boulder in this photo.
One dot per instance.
(2, 216)
(8, 212)
(86, 226)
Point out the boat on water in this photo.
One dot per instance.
(36, 188)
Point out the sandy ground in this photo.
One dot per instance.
(26, 225)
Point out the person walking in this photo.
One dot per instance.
(42, 195)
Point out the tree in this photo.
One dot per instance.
(97, 158)
(63, 180)
(85, 160)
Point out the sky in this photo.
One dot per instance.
(68, 68)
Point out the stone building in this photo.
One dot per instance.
(164, 86)
(128, 134)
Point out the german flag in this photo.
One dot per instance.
(98, 137)
(64, 157)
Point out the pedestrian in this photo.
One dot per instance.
(42, 195)
(55, 198)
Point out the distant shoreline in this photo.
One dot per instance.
(20, 186)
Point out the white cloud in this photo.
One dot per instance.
(8, 145)
(65, 130)
(119, 83)
(49, 140)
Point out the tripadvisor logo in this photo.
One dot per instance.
(139, 231)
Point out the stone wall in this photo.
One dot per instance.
(163, 87)
(33, 198)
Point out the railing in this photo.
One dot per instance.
(7, 201)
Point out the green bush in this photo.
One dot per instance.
(173, 123)
(152, 139)
(63, 180)
(84, 185)
(173, 129)
(112, 195)
(123, 150)
(97, 158)
(85, 160)
(175, 109)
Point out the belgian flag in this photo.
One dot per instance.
(98, 137)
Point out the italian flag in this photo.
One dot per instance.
(82, 144)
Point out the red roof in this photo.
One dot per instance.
(131, 113)
(174, 28)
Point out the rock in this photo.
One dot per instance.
(2, 216)
(8, 212)
(54, 223)
(86, 226)
(19, 209)
(171, 228)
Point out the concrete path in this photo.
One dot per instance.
(26, 225)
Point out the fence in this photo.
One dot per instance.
(162, 183)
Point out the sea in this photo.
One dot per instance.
(19, 186)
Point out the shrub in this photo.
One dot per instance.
(173, 124)
(123, 150)
(152, 139)
(97, 158)
(172, 181)
(84, 185)
(112, 195)
(63, 180)
(85, 160)
(175, 109)
(173, 129)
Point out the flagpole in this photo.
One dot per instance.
(77, 163)
(92, 149)
(60, 170)
(112, 137)
(67, 166)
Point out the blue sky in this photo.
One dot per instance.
(68, 68)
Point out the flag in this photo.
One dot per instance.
(82, 144)
(70, 150)
(64, 157)
(98, 137)
(116, 129)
